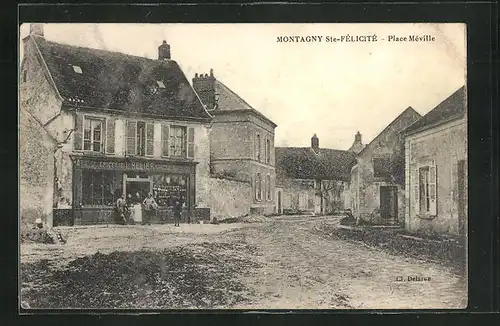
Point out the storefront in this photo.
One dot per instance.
(99, 181)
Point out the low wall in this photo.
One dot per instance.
(229, 198)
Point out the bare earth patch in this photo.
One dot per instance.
(278, 263)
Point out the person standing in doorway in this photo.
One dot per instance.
(150, 207)
(120, 210)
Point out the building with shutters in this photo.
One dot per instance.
(120, 124)
(377, 183)
(241, 148)
(436, 169)
(312, 180)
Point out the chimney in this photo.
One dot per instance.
(357, 137)
(164, 51)
(357, 146)
(204, 85)
(315, 143)
(36, 29)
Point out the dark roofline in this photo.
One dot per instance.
(67, 104)
(452, 118)
(257, 112)
(386, 128)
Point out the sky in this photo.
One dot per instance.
(329, 89)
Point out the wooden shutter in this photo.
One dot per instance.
(165, 134)
(433, 190)
(131, 134)
(190, 143)
(415, 184)
(150, 134)
(103, 135)
(110, 135)
(78, 133)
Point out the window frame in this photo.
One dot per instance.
(427, 200)
(102, 143)
(184, 150)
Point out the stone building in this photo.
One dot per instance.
(312, 180)
(377, 180)
(241, 150)
(436, 169)
(119, 123)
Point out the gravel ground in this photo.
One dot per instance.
(276, 263)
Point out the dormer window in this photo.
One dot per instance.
(77, 69)
(160, 84)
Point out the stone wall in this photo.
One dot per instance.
(229, 198)
(444, 146)
(36, 170)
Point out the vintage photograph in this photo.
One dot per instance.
(243, 166)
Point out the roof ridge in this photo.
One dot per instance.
(100, 50)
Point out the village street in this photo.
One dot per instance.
(278, 263)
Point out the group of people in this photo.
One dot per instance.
(127, 212)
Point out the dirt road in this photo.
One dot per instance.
(284, 263)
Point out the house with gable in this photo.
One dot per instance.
(108, 123)
(377, 182)
(312, 180)
(436, 169)
(242, 154)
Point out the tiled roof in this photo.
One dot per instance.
(124, 83)
(229, 101)
(304, 163)
(451, 108)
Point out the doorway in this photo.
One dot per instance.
(389, 202)
(279, 208)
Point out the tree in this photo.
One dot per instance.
(330, 192)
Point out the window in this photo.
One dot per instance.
(140, 138)
(268, 151)
(427, 190)
(160, 84)
(24, 76)
(257, 147)
(165, 131)
(268, 187)
(77, 69)
(303, 201)
(92, 135)
(258, 187)
(99, 188)
(177, 141)
(381, 167)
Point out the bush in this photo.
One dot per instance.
(35, 235)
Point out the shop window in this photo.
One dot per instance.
(92, 135)
(99, 188)
(177, 141)
(170, 188)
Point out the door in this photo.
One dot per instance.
(389, 202)
(279, 208)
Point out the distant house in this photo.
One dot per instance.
(436, 168)
(312, 179)
(119, 124)
(377, 179)
(241, 150)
